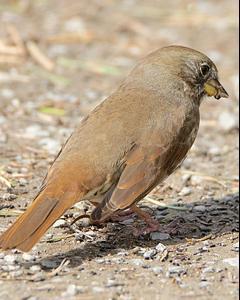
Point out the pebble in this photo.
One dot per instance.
(49, 264)
(28, 257)
(8, 197)
(59, 223)
(72, 290)
(10, 259)
(209, 270)
(17, 273)
(186, 178)
(157, 270)
(214, 151)
(176, 270)
(150, 254)
(98, 289)
(236, 247)
(159, 236)
(160, 247)
(137, 262)
(35, 268)
(10, 268)
(199, 208)
(51, 145)
(185, 191)
(204, 284)
(234, 262)
(34, 131)
(196, 180)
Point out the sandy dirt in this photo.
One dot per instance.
(89, 47)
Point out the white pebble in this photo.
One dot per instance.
(199, 208)
(11, 259)
(28, 257)
(185, 191)
(234, 262)
(59, 223)
(160, 247)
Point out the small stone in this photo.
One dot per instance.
(199, 208)
(10, 259)
(176, 270)
(215, 151)
(150, 254)
(17, 273)
(186, 178)
(137, 262)
(160, 248)
(49, 144)
(186, 191)
(59, 223)
(234, 262)
(100, 260)
(49, 264)
(204, 284)
(112, 283)
(159, 236)
(28, 257)
(97, 289)
(236, 247)
(35, 268)
(208, 270)
(10, 268)
(196, 180)
(157, 270)
(9, 197)
(72, 290)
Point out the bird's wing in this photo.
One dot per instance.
(138, 176)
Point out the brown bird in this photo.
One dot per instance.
(127, 145)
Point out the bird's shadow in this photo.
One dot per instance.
(203, 218)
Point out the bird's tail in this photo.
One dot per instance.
(48, 206)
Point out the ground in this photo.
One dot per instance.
(60, 59)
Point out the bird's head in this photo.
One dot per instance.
(197, 70)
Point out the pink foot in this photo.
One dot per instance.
(154, 226)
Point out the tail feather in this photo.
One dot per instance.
(33, 223)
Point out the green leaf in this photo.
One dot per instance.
(53, 111)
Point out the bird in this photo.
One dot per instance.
(126, 146)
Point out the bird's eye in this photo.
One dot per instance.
(204, 69)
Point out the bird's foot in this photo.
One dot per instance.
(152, 224)
(122, 215)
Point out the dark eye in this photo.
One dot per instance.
(204, 69)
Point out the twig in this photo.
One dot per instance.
(5, 181)
(63, 264)
(206, 177)
(9, 50)
(58, 238)
(156, 202)
(16, 38)
(10, 212)
(39, 56)
(207, 237)
(10, 59)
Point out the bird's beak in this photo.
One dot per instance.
(214, 88)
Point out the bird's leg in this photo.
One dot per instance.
(152, 224)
